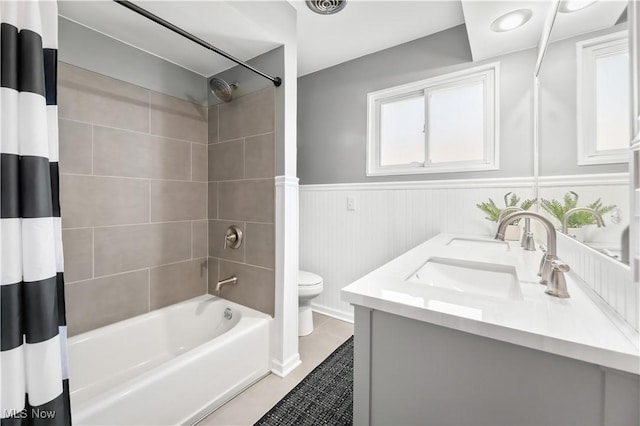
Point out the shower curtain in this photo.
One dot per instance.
(33, 360)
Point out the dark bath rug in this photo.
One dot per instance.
(324, 397)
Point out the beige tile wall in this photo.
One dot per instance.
(241, 192)
(133, 193)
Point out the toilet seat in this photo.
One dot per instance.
(306, 279)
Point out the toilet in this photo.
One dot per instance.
(309, 286)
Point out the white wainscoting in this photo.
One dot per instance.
(392, 217)
(609, 278)
(611, 188)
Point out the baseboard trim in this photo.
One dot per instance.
(283, 369)
(333, 313)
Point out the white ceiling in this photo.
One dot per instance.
(602, 14)
(361, 28)
(224, 24)
(364, 27)
(485, 43)
(247, 29)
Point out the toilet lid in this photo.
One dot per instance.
(308, 278)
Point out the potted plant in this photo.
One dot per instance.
(578, 220)
(492, 212)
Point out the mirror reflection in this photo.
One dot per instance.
(584, 126)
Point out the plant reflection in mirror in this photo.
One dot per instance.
(579, 219)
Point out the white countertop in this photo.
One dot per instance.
(576, 327)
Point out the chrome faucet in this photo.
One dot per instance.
(507, 210)
(232, 280)
(526, 241)
(569, 213)
(552, 269)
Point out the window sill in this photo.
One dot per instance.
(400, 171)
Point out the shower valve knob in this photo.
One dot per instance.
(233, 237)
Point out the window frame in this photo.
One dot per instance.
(587, 54)
(488, 74)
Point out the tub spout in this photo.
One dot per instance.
(232, 280)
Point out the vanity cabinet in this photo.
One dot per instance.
(410, 372)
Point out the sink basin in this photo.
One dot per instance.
(474, 278)
(477, 244)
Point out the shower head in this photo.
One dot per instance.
(221, 89)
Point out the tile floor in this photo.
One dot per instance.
(254, 402)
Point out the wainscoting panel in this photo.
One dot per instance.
(609, 278)
(389, 219)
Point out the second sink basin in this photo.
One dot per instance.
(486, 279)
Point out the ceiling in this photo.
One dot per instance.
(364, 27)
(230, 26)
(247, 29)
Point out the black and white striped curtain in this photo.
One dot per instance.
(33, 359)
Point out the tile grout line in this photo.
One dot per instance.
(145, 268)
(148, 289)
(93, 253)
(149, 223)
(122, 129)
(244, 264)
(134, 178)
(92, 148)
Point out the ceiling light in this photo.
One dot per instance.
(326, 7)
(511, 21)
(569, 6)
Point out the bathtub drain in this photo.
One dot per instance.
(228, 313)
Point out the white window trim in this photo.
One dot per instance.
(490, 73)
(587, 52)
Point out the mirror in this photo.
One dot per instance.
(585, 124)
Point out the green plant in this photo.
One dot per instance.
(492, 211)
(570, 200)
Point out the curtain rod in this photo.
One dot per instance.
(277, 81)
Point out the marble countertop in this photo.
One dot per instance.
(577, 327)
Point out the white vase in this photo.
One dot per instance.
(512, 233)
(576, 233)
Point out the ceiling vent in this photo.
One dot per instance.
(326, 7)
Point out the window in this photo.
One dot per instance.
(604, 117)
(443, 124)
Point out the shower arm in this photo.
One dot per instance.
(277, 81)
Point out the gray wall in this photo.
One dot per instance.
(271, 63)
(332, 107)
(558, 112)
(93, 51)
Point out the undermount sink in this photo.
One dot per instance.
(478, 244)
(486, 279)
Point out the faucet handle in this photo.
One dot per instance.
(233, 237)
(557, 286)
(560, 266)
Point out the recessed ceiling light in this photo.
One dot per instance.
(326, 7)
(569, 6)
(511, 21)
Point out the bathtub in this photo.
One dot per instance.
(170, 366)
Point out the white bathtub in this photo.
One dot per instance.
(168, 367)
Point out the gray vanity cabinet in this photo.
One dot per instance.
(409, 372)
